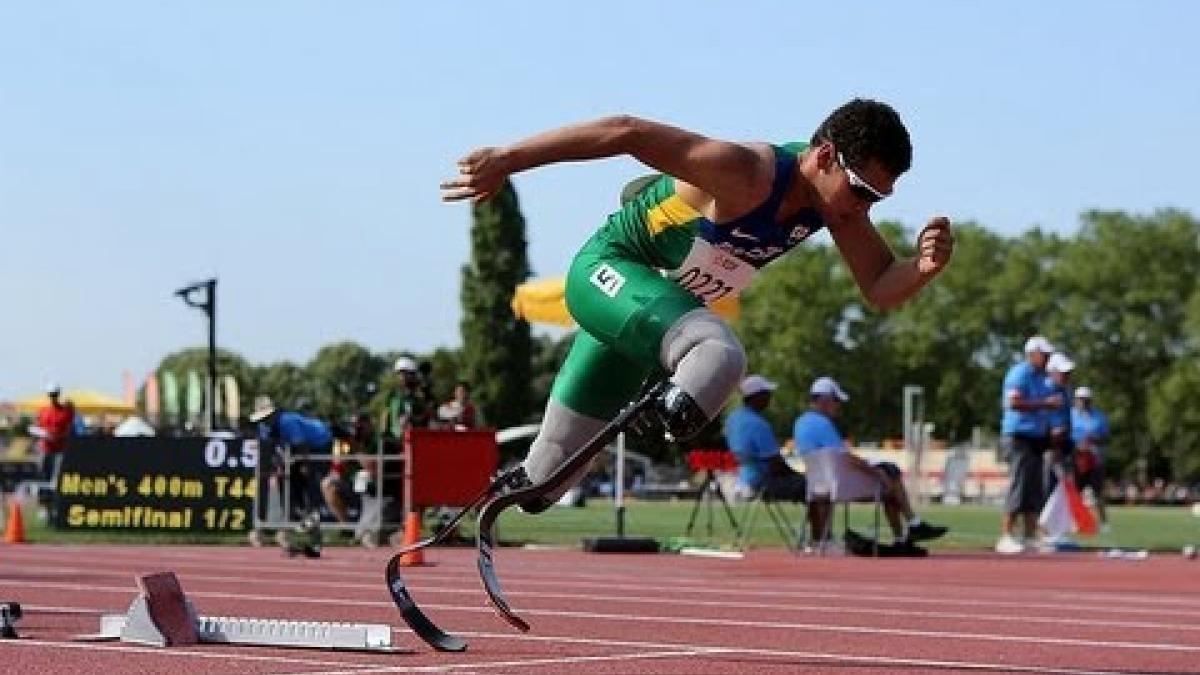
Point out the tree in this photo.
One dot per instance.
(288, 385)
(196, 359)
(954, 337)
(1173, 415)
(497, 348)
(344, 377)
(446, 371)
(1121, 301)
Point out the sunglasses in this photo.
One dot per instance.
(861, 188)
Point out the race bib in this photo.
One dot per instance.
(711, 274)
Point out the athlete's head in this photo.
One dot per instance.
(859, 151)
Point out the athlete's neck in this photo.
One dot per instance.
(800, 194)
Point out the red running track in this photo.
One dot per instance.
(603, 613)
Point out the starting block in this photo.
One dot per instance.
(162, 616)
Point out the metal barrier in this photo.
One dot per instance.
(277, 513)
(452, 466)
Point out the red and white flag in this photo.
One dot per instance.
(1065, 512)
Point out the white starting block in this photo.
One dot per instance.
(162, 616)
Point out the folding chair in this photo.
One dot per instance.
(776, 511)
(775, 506)
(710, 462)
(832, 477)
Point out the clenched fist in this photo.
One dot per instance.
(935, 243)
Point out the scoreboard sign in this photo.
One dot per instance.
(158, 484)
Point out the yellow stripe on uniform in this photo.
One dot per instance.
(670, 212)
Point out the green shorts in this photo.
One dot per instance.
(623, 307)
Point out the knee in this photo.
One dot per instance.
(733, 361)
(705, 331)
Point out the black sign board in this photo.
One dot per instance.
(159, 484)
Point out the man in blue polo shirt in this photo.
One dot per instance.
(753, 442)
(1025, 434)
(1060, 456)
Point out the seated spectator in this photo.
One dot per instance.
(459, 412)
(815, 433)
(750, 438)
(337, 487)
(338, 490)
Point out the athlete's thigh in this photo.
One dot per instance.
(625, 304)
(595, 379)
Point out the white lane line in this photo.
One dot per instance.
(684, 651)
(846, 606)
(869, 630)
(700, 621)
(796, 654)
(127, 648)
(519, 663)
(645, 590)
(188, 558)
(1167, 603)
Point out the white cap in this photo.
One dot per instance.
(1083, 392)
(1059, 363)
(405, 363)
(827, 386)
(756, 384)
(1037, 343)
(53, 388)
(263, 407)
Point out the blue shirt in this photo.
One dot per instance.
(1031, 383)
(1093, 424)
(814, 431)
(297, 430)
(1060, 418)
(750, 439)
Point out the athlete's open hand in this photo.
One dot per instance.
(934, 246)
(480, 175)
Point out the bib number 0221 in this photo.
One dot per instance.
(705, 286)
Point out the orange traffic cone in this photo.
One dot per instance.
(14, 529)
(412, 534)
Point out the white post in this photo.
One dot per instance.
(619, 485)
(914, 437)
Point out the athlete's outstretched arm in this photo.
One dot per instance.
(887, 281)
(727, 171)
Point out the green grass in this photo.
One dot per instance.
(971, 527)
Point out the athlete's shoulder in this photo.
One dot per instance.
(635, 186)
(791, 147)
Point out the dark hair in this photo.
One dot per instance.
(863, 130)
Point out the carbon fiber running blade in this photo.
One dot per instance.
(413, 616)
(487, 572)
(485, 536)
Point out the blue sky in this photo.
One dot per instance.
(293, 149)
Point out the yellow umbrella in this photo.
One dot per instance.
(86, 402)
(544, 301)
